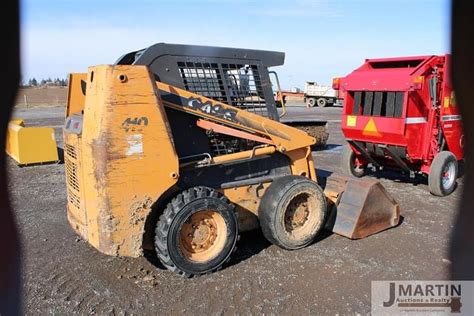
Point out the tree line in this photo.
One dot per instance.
(45, 82)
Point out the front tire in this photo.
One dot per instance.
(443, 174)
(292, 212)
(348, 163)
(197, 232)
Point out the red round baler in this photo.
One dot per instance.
(400, 113)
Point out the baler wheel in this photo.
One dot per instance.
(311, 102)
(197, 232)
(348, 163)
(292, 212)
(322, 102)
(443, 174)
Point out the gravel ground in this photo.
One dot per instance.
(62, 274)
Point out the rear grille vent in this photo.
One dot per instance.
(73, 198)
(70, 151)
(378, 103)
(71, 174)
(72, 177)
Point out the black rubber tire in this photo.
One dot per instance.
(310, 102)
(348, 165)
(176, 213)
(321, 102)
(272, 211)
(435, 178)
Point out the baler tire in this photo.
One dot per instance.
(348, 163)
(280, 209)
(322, 102)
(171, 231)
(444, 165)
(311, 102)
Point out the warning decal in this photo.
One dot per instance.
(351, 121)
(371, 129)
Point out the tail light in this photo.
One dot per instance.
(336, 83)
(418, 82)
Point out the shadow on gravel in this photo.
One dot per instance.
(331, 148)
(250, 244)
(153, 259)
(399, 177)
(321, 176)
(323, 235)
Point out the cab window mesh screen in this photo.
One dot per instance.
(238, 85)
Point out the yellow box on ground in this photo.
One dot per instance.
(30, 145)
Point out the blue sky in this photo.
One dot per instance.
(322, 39)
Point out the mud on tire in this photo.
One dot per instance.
(292, 212)
(197, 232)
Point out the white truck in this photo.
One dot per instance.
(320, 95)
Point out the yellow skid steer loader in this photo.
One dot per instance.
(182, 155)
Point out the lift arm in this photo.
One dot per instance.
(279, 137)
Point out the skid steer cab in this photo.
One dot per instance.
(150, 165)
(400, 113)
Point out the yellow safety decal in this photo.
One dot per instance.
(371, 129)
(351, 121)
(446, 102)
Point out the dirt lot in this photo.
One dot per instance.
(63, 275)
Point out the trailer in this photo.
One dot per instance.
(285, 96)
(401, 113)
(320, 95)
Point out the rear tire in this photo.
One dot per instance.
(322, 102)
(311, 102)
(348, 163)
(292, 212)
(197, 232)
(443, 174)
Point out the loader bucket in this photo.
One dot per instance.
(359, 207)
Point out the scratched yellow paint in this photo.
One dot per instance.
(123, 170)
(125, 158)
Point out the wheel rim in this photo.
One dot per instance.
(203, 236)
(321, 102)
(357, 169)
(301, 215)
(448, 175)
